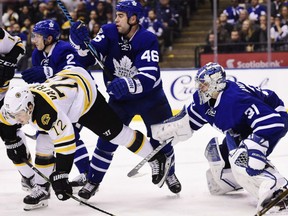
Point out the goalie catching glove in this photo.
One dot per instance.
(176, 128)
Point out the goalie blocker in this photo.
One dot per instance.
(176, 128)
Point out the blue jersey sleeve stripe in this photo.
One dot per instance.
(148, 68)
(264, 118)
(268, 127)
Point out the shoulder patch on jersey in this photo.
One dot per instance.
(45, 119)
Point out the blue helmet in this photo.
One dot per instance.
(130, 7)
(213, 76)
(47, 28)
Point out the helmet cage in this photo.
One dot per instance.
(214, 77)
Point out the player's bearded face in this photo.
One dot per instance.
(38, 41)
(121, 22)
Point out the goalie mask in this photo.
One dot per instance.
(17, 101)
(211, 78)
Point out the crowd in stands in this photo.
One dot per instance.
(165, 18)
(242, 27)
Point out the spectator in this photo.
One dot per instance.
(275, 7)
(41, 13)
(236, 45)
(24, 14)
(224, 23)
(152, 24)
(91, 5)
(9, 16)
(54, 12)
(284, 14)
(168, 16)
(278, 33)
(81, 12)
(246, 33)
(243, 15)
(259, 36)
(95, 29)
(256, 10)
(101, 13)
(232, 12)
(209, 47)
(93, 18)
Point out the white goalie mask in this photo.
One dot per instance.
(213, 76)
(18, 99)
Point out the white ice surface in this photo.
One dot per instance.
(124, 196)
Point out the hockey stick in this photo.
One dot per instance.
(72, 196)
(88, 44)
(134, 171)
(33, 137)
(272, 203)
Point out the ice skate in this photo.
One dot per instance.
(28, 183)
(88, 190)
(38, 198)
(173, 184)
(160, 165)
(78, 182)
(281, 208)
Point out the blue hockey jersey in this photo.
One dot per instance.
(244, 110)
(134, 58)
(61, 55)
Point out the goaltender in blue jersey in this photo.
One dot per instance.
(253, 119)
(130, 55)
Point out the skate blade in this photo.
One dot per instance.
(167, 168)
(41, 204)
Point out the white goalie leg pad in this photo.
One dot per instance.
(176, 127)
(261, 186)
(220, 181)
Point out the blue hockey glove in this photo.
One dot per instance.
(256, 149)
(78, 35)
(120, 87)
(37, 74)
(61, 185)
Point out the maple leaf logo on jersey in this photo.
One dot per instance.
(45, 119)
(124, 67)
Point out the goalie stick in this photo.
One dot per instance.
(88, 44)
(272, 203)
(72, 196)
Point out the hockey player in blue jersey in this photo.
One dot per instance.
(253, 119)
(50, 56)
(131, 54)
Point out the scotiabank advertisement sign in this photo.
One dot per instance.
(247, 60)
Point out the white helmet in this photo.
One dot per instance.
(214, 75)
(18, 99)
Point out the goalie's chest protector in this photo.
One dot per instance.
(228, 110)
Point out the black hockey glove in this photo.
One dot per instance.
(16, 150)
(61, 185)
(7, 70)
